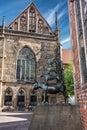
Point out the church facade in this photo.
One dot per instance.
(25, 46)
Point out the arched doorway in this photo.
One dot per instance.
(8, 97)
(21, 98)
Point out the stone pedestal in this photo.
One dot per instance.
(58, 117)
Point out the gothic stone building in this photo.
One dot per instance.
(25, 46)
(78, 25)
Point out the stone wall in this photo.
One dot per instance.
(43, 49)
(15, 88)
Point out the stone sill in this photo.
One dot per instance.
(18, 82)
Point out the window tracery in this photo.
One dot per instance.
(26, 65)
(32, 20)
(23, 23)
(21, 92)
(21, 98)
(40, 26)
(8, 97)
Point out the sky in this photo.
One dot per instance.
(12, 8)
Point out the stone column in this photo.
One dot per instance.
(28, 20)
(37, 17)
(2, 68)
(0, 95)
(18, 23)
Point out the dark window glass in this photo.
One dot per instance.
(8, 97)
(83, 64)
(23, 70)
(8, 100)
(21, 98)
(18, 69)
(25, 65)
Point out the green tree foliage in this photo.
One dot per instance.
(68, 79)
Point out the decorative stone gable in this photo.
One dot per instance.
(30, 20)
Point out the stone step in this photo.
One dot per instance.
(56, 117)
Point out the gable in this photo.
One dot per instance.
(30, 20)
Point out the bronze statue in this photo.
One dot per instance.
(53, 87)
(53, 80)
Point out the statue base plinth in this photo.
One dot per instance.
(55, 117)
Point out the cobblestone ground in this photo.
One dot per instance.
(15, 120)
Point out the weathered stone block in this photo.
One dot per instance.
(61, 117)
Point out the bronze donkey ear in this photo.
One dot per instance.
(71, 0)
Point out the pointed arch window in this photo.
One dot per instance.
(46, 30)
(23, 23)
(15, 26)
(8, 97)
(40, 26)
(26, 65)
(32, 20)
(21, 98)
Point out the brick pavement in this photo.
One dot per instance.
(15, 120)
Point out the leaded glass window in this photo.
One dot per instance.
(21, 98)
(8, 97)
(26, 65)
(32, 20)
